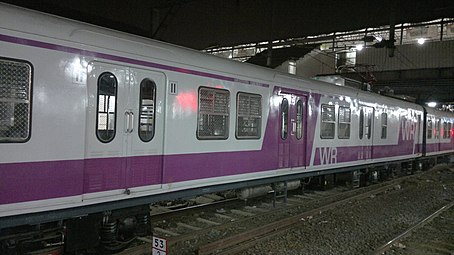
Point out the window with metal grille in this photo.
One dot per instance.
(344, 123)
(384, 125)
(213, 118)
(249, 116)
(147, 110)
(284, 119)
(299, 119)
(107, 107)
(429, 128)
(15, 100)
(328, 125)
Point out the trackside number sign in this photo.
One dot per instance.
(159, 246)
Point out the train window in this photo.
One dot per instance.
(213, 115)
(15, 100)
(328, 122)
(249, 116)
(369, 125)
(299, 119)
(361, 124)
(437, 129)
(107, 107)
(147, 110)
(284, 119)
(384, 125)
(449, 129)
(429, 128)
(445, 129)
(344, 123)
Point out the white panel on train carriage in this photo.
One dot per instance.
(58, 103)
(182, 117)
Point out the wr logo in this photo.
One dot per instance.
(328, 155)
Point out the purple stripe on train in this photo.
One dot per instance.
(332, 155)
(121, 172)
(20, 182)
(436, 147)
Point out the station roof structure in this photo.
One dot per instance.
(200, 24)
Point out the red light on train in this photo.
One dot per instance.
(187, 101)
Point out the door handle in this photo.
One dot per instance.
(131, 122)
(127, 121)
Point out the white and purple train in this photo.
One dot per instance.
(94, 120)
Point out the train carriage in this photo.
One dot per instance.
(439, 131)
(93, 120)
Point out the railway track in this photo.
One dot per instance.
(243, 241)
(220, 228)
(178, 227)
(432, 235)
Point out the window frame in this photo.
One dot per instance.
(324, 122)
(299, 132)
(115, 109)
(30, 101)
(284, 118)
(344, 122)
(361, 124)
(429, 128)
(227, 120)
(438, 127)
(154, 88)
(369, 116)
(259, 121)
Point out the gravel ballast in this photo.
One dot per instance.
(361, 226)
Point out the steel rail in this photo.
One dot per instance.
(420, 224)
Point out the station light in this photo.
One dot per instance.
(359, 47)
(421, 41)
(432, 104)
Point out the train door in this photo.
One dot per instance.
(120, 122)
(146, 129)
(292, 145)
(438, 134)
(366, 125)
(417, 143)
